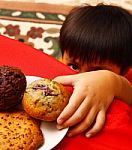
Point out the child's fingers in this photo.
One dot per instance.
(65, 80)
(85, 124)
(79, 114)
(100, 121)
(74, 102)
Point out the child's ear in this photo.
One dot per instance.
(128, 74)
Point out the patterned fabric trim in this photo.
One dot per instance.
(36, 25)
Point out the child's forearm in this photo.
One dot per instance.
(124, 90)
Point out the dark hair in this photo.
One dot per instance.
(101, 32)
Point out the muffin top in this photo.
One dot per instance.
(45, 99)
(19, 131)
(12, 86)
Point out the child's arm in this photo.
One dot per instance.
(124, 89)
(93, 93)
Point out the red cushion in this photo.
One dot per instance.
(117, 133)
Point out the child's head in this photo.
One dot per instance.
(98, 34)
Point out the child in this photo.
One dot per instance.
(96, 41)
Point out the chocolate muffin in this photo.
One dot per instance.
(12, 86)
(45, 99)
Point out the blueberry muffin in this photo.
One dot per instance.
(12, 86)
(45, 99)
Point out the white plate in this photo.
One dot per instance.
(51, 134)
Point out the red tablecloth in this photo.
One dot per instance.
(117, 133)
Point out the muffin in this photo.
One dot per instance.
(19, 131)
(12, 86)
(45, 99)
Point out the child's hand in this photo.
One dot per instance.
(93, 93)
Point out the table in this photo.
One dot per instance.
(117, 133)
